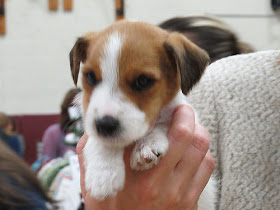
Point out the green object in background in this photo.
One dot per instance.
(52, 172)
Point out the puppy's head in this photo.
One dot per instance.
(131, 70)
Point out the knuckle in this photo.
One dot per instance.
(188, 111)
(182, 131)
(189, 201)
(148, 191)
(153, 193)
(201, 142)
(184, 126)
(174, 199)
(185, 110)
(209, 161)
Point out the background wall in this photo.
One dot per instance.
(34, 66)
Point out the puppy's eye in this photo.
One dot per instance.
(91, 78)
(143, 82)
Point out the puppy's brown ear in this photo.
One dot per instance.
(191, 60)
(77, 55)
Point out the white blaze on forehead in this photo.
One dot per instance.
(109, 60)
(108, 99)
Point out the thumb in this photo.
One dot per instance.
(79, 149)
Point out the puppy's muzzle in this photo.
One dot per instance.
(107, 126)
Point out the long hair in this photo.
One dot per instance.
(65, 120)
(4, 123)
(209, 33)
(15, 175)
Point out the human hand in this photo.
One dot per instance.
(175, 183)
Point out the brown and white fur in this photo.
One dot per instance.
(134, 75)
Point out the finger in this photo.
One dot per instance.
(180, 135)
(81, 144)
(200, 178)
(127, 152)
(193, 155)
(130, 174)
(203, 173)
(79, 149)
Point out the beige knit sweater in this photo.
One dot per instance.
(238, 100)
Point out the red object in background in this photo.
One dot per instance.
(32, 128)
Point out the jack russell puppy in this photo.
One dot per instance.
(134, 75)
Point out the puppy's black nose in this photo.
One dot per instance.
(107, 126)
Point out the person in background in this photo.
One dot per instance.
(7, 135)
(14, 130)
(54, 137)
(210, 34)
(20, 189)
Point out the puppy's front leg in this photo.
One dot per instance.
(105, 172)
(150, 149)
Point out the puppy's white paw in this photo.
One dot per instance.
(104, 182)
(147, 153)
